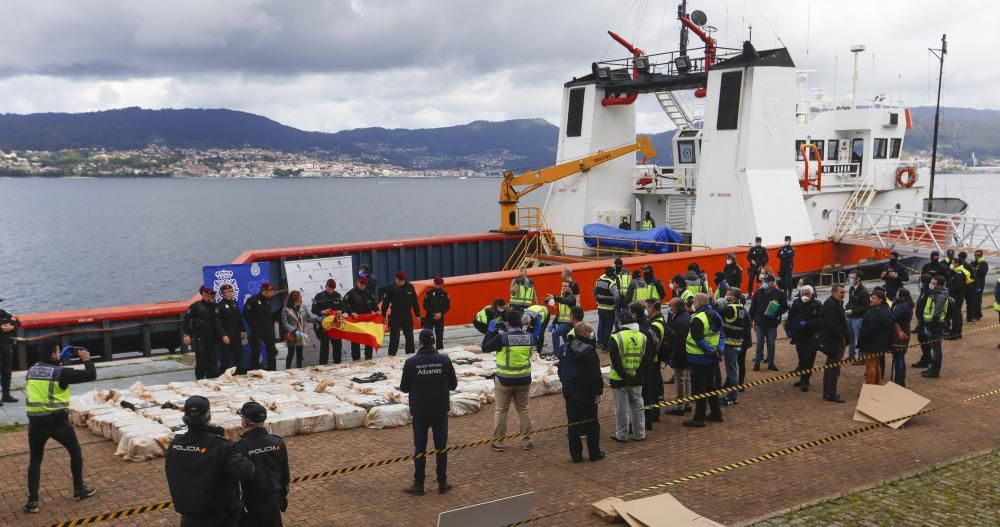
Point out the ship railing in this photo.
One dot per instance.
(665, 62)
(652, 179)
(606, 247)
(806, 109)
(919, 232)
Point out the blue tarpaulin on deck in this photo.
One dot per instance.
(612, 237)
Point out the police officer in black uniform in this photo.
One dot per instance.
(260, 320)
(230, 330)
(266, 495)
(429, 378)
(436, 305)
(757, 258)
(402, 298)
(204, 471)
(8, 328)
(198, 326)
(786, 264)
(324, 303)
(360, 301)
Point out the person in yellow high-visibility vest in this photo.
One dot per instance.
(512, 381)
(562, 324)
(47, 385)
(705, 346)
(647, 222)
(522, 292)
(630, 351)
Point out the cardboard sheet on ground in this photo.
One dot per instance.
(883, 403)
(661, 511)
(496, 513)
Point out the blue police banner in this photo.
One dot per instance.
(245, 279)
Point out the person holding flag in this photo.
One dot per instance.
(359, 302)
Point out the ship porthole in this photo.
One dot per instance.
(826, 214)
(898, 206)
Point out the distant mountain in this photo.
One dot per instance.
(515, 143)
(480, 145)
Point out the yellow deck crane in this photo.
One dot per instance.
(509, 193)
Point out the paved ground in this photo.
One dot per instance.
(962, 493)
(770, 417)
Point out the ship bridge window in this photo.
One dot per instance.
(881, 149)
(798, 149)
(574, 119)
(685, 152)
(857, 150)
(895, 147)
(730, 86)
(831, 149)
(819, 147)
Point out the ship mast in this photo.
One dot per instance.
(939, 53)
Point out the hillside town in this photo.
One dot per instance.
(160, 161)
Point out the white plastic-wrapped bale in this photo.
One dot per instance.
(364, 401)
(552, 384)
(348, 416)
(164, 396)
(388, 416)
(273, 401)
(310, 420)
(80, 408)
(537, 388)
(464, 404)
(282, 424)
(481, 388)
(139, 443)
(137, 422)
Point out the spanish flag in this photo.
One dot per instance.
(367, 329)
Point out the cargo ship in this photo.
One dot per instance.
(756, 154)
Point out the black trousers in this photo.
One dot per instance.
(806, 350)
(540, 343)
(263, 338)
(356, 352)
(925, 347)
(231, 354)
(326, 344)
(652, 393)
(296, 352)
(6, 365)
(439, 429)
(262, 511)
(220, 519)
(438, 327)
(973, 303)
(580, 405)
(786, 281)
(56, 427)
(205, 361)
(741, 360)
(834, 353)
(702, 381)
(754, 273)
(956, 317)
(404, 323)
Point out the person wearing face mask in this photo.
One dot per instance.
(804, 320)
(961, 280)
(230, 330)
(704, 345)
(979, 271)
(366, 272)
(757, 257)
(935, 266)
(652, 386)
(893, 275)
(858, 299)
(766, 309)
(679, 322)
(198, 326)
(786, 265)
(902, 314)
(876, 337)
(721, 286)
(735, 323)
(733, 272)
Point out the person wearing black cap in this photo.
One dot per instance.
(260, 319)
(198, 326)
(402, 298)
(324, 304)
(436, 305)
(204, 470)
(266, 495)
(625, 225)
(757, 258)
(488, 318)
(513, 377)
(47, 385)
(360, 301)
(366, 272)
(786, 265)
(935, 267)
(894, 275)
(230, 330)
(429, 378)
(623, 279)
(606, 294)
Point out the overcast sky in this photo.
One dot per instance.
(339, 64)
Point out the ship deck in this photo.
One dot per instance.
(770, 417)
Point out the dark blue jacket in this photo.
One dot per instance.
(876, 330)
(429, 378)
(902, 314)
(579, 366)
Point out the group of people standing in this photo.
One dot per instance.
(217, 332)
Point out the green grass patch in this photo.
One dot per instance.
(16, 427)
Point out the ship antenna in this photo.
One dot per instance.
(681, 13)
(939, 53)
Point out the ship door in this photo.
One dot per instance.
(858, 152)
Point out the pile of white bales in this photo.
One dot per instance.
(143, 419)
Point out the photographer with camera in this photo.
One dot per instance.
(8, 328)
(47, 387)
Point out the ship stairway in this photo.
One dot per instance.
(677, 111)
(919, 232)
(858, 201)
